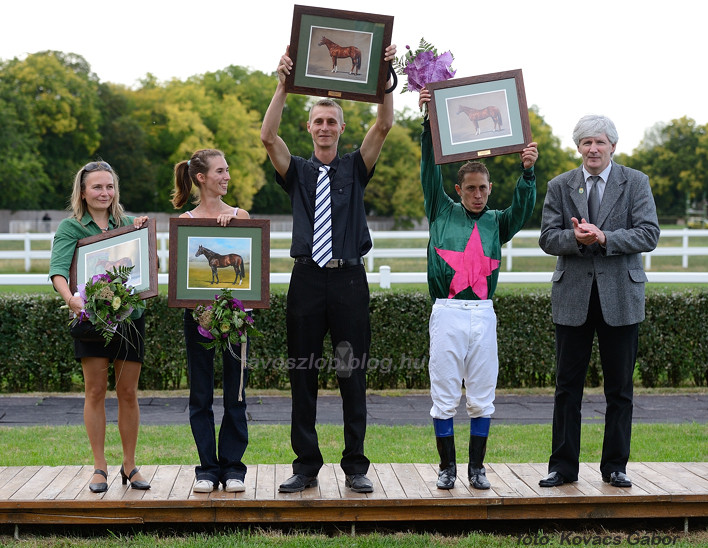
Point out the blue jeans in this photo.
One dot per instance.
(233, 433)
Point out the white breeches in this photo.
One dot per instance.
(463, 346)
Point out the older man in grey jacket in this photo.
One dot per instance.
(597, 219)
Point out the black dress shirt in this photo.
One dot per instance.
(348, 179)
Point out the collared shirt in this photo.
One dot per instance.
(348, 179)
(604, 176)
(70, 231)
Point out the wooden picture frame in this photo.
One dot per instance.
(126, 245)
(204, 258)
(362, 38)
(479, 116)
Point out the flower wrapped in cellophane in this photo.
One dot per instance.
(424, 66)
(108, 302)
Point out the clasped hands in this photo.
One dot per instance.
(587, 233)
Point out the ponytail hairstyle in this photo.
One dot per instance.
(186, 175)
(78, 205)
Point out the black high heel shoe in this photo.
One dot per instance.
(137, 484)
(101, 487)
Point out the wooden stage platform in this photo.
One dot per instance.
(402, 492)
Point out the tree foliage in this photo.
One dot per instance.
(674, 156)
(55, 115)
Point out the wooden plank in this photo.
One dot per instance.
(587, 482)
(513, 481)
(36, 484)
(698, 469)
(265, 482)
(329, 487)
(162, 482)
(182, 486)
(410, 480)
(6, 474)
(379, 491)
(388, 480)
(682, 476)
(654, 471)
(499, 486)
(640, 474)
(79, 484)
(18, 481)
(403, 492)
(250, 483)
(66, 475)
(530, 476)
(429, 474)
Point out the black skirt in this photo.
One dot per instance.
(128, 344)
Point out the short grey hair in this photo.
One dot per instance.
(594, 125)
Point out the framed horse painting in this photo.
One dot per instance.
(339, 54)
(479, 117)
(124, 246)
(206, 257)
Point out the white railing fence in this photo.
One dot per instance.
(385, 276)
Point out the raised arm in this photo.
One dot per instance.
(278, 151)
(375, 137)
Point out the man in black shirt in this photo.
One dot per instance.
(328, 287)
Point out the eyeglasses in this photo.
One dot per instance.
(97, 166)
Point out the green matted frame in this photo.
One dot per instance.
(126, 246)
(479, 116)
(196, 279)
(312, 72)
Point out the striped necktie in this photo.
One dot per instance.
(322, 237)
(594, 199)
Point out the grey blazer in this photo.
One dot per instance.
(628, 218)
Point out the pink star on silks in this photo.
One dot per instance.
(471, 266)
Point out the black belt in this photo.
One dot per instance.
(332, 263)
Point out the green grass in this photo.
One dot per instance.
(269, 444)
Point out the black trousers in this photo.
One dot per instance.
(321, 299)
(618, 354)
(222, 461)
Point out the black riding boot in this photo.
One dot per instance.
(475, 469)
(448, 466)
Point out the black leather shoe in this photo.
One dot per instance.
(297, 483)
(554, 479)
(134, 484)
(101, 487)
(617, 479)
(359, 483)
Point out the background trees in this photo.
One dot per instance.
(55, 115)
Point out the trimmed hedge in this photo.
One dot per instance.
(37, 352)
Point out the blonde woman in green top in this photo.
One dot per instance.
(95, 209)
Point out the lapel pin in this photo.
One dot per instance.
(580, 190)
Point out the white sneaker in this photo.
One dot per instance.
(234, 486)
(203, 486)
